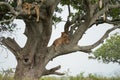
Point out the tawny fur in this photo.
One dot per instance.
(27, 9)
(64, 39)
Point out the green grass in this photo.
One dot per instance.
(78, 77)
(81, 77)
(5, 77)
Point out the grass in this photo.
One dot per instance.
(81, 77)
(77, 77)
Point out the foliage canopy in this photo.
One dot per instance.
(110, 50)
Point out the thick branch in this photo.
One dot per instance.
(67, 49)
(106, 35)
(79, 32)
(53, 71)
(79, 48)
(11, 45)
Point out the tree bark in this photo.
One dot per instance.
(34, 56)
(32, 59)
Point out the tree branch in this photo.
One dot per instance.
(51, 5)
(79, 32)
(114, 21)
(53, 71)
(10, 8)
(12, 46)
(73, 47)
(12, 11)
(85, 25)
(102, 11)
(87, 8)
(68, 23)
(67, 49)
(106, 35)
(9, 20)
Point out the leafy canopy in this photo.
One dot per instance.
(78, 5)
(110, 50)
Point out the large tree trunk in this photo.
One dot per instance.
(33, 57)
(29, 72)
(25, 72)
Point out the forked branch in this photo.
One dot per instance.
(87, 49)
(53, 71)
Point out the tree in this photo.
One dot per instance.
(109, 51)
(35, 55)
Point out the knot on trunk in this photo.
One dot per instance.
(27, 61)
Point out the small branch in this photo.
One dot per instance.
(12, 11)
(95, 17)
(68, 23)
(114, 21)
(72, 29)
(10, 8)
(69, 11)
(53, 71)
(9, 20)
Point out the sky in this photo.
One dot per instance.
(74, 63)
